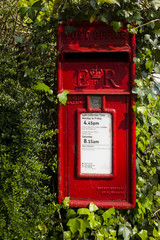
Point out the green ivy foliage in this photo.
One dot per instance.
(28, 125)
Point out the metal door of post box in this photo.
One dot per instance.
(96, 143)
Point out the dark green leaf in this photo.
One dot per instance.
(137, 18)
(71, 213)
(103, 19)
(37, 5)
(23, 11)
(138, 164)
(19, 39)
(31, 13)
(93, 3)
(116, 25)
(69, 29)
(43, 47)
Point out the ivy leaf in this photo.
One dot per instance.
(67, 235)
(74, 225)
(37, 5)
(116, 26)
(137, 18)
(43, 87)
(136, 60)
(154, 120)
(31, 13)
(92, 18)
(125, 230)
(108, 1)
(143, 234)
(57, 3)
(92, 207)
(99, 236)
(28, 72)
(66, 201)
(156, 4)
(131, 29)
(91, 219)
(93, 3)
(71, 213)
(157, 69)
(141, 181)
(63, 97)
(31, 10)
(113, 232)
(156, 233)
(83, 226)
(42, 227)
(142, 109)
(108, 214)
(103, 19)
(43, 47)
(92, 222)
(84, 211)
(69, 29)
(23, 11)
(137, 90)
(158, 193)
(149, 65)
(19, 39)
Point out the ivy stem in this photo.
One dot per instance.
(155, 213)
(59, 214)
(155, 20)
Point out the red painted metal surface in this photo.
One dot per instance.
(95, 61)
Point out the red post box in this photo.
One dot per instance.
(96, 142)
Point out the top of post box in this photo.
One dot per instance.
(92, 37)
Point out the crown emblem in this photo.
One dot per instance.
(96, 73)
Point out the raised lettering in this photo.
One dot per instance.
(82, 79)
(111, 190)
(109, 78)
(89, 78)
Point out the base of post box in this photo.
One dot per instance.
(102, 204)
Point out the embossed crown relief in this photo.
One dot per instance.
(96, 73)
(86, 77)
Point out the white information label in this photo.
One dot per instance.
(96, 143)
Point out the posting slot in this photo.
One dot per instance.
(96, 56)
